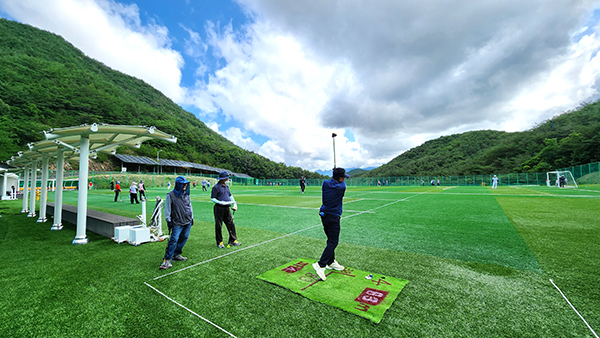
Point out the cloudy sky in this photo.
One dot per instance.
(279, 76)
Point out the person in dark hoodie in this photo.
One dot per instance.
(331, 213)
(180, 218)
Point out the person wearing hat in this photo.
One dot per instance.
(331, 213)
(180, 218)
(223, 199)
(117, 191)
(133, 190)
(494, 182)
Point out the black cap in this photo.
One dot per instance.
(340, 172)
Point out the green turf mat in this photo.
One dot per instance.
(348, 290)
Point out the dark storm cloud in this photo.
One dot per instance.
(428, 65)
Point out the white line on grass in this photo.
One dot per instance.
(194, 313)
(360, 199)
(574, 309)
(280, 237)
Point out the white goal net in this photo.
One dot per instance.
(562, 179)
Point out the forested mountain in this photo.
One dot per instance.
(571, 138)
(46, 83)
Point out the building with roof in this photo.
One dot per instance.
(131, 163)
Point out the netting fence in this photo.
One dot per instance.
(584, 174)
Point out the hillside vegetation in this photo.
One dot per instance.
(571, 138)
(46, 83)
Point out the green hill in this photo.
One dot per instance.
(46, 83)
(571, 138)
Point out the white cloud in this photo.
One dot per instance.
(214, 126)
(110, 32)
(272, 85)
(236, 136)
(273, 151)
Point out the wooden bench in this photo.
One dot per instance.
(99, 222)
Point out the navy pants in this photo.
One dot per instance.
(179, 236)
(331, 226)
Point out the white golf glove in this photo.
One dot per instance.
(234, 207)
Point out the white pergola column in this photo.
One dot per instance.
(5, 180)
(44, 191)
(33, 190)
(84, 156)
(60, 159)
(25, 190)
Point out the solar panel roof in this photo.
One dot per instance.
(136, 159)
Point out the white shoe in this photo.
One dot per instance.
(320, 271)
(335, 266)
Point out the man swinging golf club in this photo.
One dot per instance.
(331, 213)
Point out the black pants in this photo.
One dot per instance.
(331, 226)
(302, 186)
(116, 195)
(142, 195)
(223, 214)
(133, 197)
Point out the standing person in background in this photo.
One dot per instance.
(169, 185)
(112, 185)
(302, 183)
(117, 191)
(142, 190)
(331, 213)
(562, 180)
(223, 199)
(495, 182)
(133, 193)
(179, 215)
(204, 184)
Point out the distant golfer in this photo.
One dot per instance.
(117, 191)
(495, 182)
(204, 185)
(180, 218)
(223, 199)
(331, 213)
(133, 191)
(302, 183)
(142, 189)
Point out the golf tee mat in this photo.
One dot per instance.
(359, 292)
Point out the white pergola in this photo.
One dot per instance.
(76, 143)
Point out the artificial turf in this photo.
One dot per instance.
(478, 260)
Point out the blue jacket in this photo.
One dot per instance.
(333, 195)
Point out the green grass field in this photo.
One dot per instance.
(479, 262)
